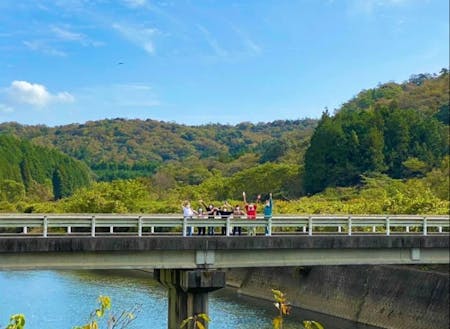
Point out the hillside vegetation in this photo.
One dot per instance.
(38, 173)
(384, 151)
(120, 148)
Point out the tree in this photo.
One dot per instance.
(325, 159)
(57, 183)
(11, 191)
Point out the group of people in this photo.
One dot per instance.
(211, 212)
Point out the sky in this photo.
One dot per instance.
(204, 61)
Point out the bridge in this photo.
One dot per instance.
(191, 266)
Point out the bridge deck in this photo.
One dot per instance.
(218, 251)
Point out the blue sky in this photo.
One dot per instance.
(202, 61)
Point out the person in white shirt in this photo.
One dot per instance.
(188, 213)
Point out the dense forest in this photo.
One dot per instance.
(120, 148)
(38, 172)
(381, 131)
(385, 150)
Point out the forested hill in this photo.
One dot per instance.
(120, 148)
(398, 130)
(37, 171)
(427, 93)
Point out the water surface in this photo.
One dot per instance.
(64, 299)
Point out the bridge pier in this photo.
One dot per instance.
(188, 292)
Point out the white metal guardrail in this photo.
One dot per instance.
(144, 224)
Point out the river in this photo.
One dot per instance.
(64, 299)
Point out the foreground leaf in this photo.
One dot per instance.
(277, 322)
(312, 325)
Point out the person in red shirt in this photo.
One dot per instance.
(250, 209)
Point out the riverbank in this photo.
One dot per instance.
(397, 297)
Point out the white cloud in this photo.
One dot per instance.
(34, 94)
(67, 35)
(142, 37)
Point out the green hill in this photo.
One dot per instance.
(396, 129)
(120, 148)
(36, 171)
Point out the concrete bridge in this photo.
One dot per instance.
(191, 267)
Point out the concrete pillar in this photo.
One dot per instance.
(188, 292)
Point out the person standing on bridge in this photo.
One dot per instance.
(250, 209)
(201, 229)
(188, 213)
(237, 214)
(211, 211)
(268, 206)
(225, 211)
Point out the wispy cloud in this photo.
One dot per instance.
(37, 95)
(135, 3)
(371, 6)
(141, 37)
(212, 42)
(248, 43)
(65, 34)
(123, 95)
(135, 95)
(43, 47)
(51, 43)
(6, 109)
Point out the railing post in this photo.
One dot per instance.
(349, 225)
(45, 229)
(425, 226)
(93, 226)
(388, 226)
(184, 226)
(139, 226)
(310, 226)
(269, 226)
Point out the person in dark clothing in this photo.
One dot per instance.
(224, 213)
(268, 208)
(211, 211)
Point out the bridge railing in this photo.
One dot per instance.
(144, 224)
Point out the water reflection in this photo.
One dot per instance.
(63, 299)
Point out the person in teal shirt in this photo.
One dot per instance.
(268, 210)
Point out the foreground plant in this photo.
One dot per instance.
(284, 309)
(119, 322)
(16, 321)
(195, 321)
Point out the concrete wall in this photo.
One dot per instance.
(385, 296)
